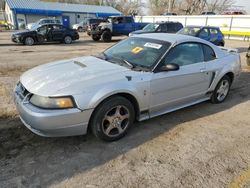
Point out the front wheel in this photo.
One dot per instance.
(112, 119)
(221, 91)
(29, 41)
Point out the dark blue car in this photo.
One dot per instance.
(211, 34)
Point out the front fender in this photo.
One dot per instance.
(91, 99)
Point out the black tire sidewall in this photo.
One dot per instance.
(29, 44)
(106, 36)
(101, 110)
(65, 39)
(214, 95)
(96, 37)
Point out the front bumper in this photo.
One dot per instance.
(52, 123)
(15, 39)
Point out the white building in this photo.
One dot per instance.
(29, 11)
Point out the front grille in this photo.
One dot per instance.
(21, 91)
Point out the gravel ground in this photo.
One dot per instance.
(204, 145)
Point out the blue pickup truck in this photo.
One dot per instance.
(115, 26)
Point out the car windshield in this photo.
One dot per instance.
(136, 51)
(151, 27)
(189, 31)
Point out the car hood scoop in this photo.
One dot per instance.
(80, 64)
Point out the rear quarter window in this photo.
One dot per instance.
(209, 54)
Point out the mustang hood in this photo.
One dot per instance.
(71, 76)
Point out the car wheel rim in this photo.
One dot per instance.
(67, 40)
(29, 41)
(223, 90)
(115, 121)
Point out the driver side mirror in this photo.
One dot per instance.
(170, 67)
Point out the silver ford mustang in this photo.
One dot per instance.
(136, 79)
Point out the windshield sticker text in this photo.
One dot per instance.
(153, 45)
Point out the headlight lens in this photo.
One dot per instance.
(52, 102)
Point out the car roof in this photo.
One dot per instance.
(172, 38)
(212, 27)
(166, 22)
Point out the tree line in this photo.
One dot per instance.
(157, 7)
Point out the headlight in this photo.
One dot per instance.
(130, 34)
(52, 102)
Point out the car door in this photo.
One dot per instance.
(174, 89)
(42, 33)
(204, 34)
(58, 32)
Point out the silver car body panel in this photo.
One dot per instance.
(91, 80)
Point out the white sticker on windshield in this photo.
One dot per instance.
(153, 45)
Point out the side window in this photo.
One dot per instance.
(171, 28)
(42, 30)
(127, 20)
(213, 31)
(163, 28)
(209, 53)
(178, 27)
(204, 33)
(185, 54)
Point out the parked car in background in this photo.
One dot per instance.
(43, 22)
(208, 13)
(248, 56)
(83, 26)
(138, 78)
(116, 26)
(208, 33)
(160, 27)
(233, 13)
(46, 33)
(169, 14)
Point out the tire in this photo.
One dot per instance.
(221, 91)
(221, 44)
(96, 37)
(106, 36)
(29, 41)
(248, 59)
(67, 40)
(80, 29)
(112, 119)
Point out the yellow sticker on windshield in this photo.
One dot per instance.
(136, 50)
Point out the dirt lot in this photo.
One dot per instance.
(204, 145)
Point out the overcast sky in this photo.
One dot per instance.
(245, 4)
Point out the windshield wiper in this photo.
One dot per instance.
(128, 63)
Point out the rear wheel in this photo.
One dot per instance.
(67, 40)
(112, 119)
(221, 91)
(106, 36)
(96, 37)
(29, 41)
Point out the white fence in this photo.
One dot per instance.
(225, 22)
